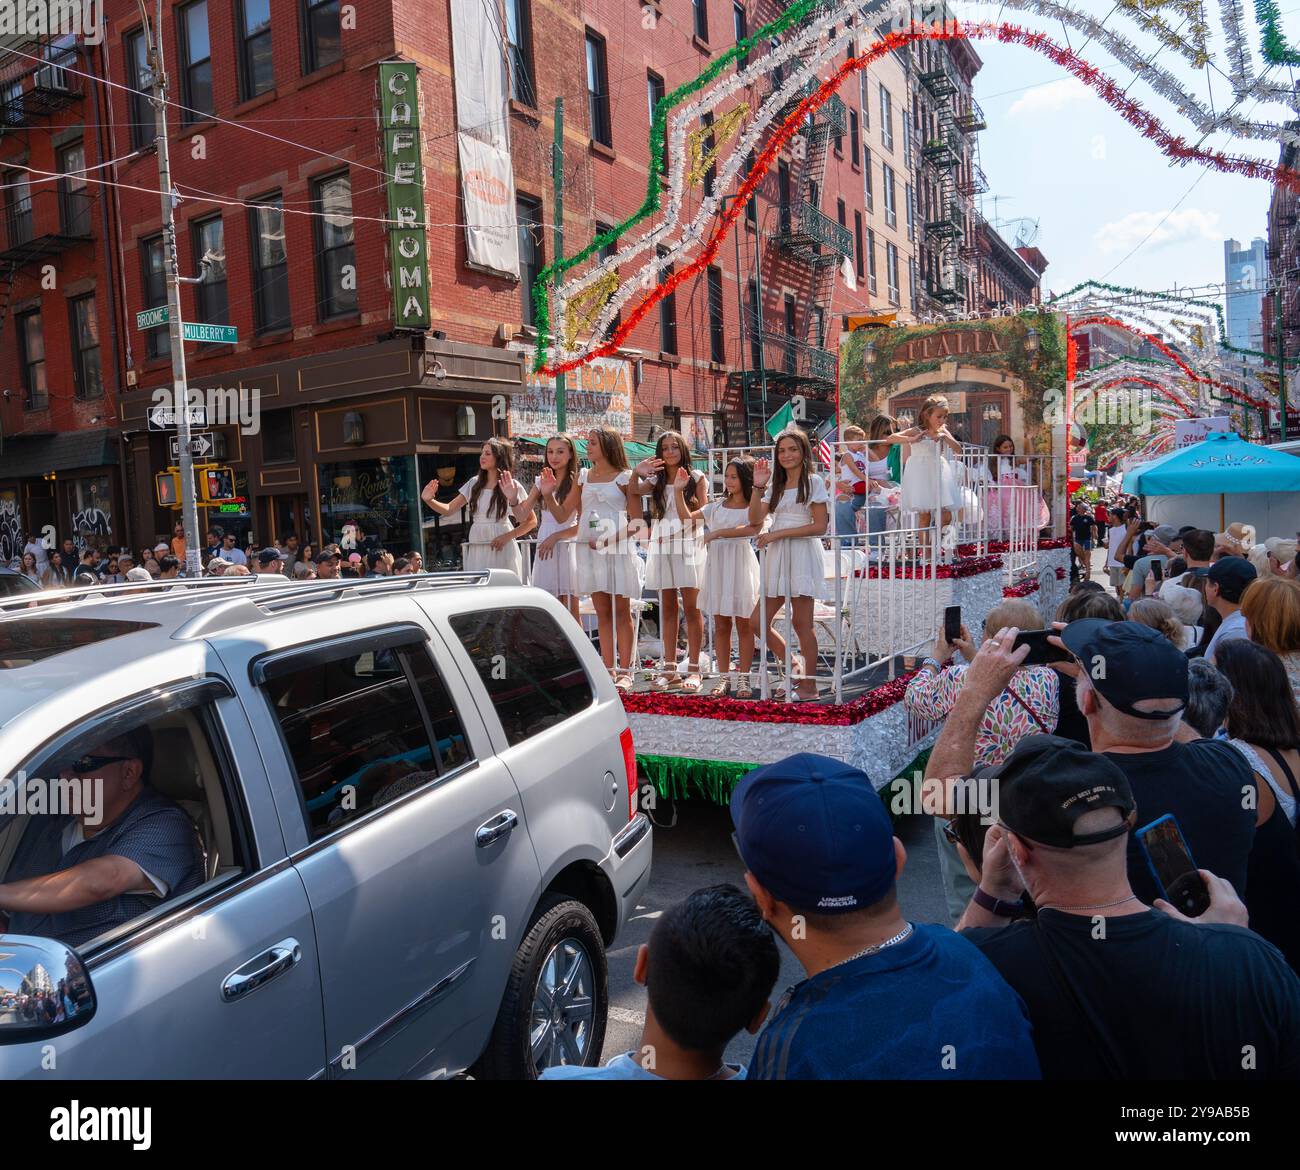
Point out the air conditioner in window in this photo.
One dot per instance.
(52, 77)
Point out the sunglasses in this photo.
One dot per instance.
(92, 763)
(950, 831)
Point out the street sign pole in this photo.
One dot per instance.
(181, 396)
(557, 180)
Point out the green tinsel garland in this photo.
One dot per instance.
(678, 778)
(1276, 50)
(1212, 305)
(541, 295)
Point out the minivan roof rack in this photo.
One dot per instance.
(251, 607)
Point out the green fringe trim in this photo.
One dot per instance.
(679, 778)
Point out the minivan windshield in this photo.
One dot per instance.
(27, 640)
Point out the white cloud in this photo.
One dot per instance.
(1186, 226)
(1050, 98)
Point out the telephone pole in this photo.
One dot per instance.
(180, 387)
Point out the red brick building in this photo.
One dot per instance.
(335, 410)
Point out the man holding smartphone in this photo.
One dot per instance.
(1114, 989)
(1161, 545)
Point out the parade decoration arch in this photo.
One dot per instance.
(578, 303)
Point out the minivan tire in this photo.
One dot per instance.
(508, 1055)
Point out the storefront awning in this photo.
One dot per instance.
(24, 456)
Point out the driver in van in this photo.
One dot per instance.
(76, 876)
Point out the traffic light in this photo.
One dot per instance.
(167, 485)
(217, 484)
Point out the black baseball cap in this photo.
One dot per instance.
(267, 555)
(814, 832)
(322, 557)
(1128, 663)
(1231, 575)
(1047, 783)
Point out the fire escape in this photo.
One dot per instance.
(36, 226)
(950, 231)
(793, 359)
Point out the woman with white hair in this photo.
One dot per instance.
(1188, 607)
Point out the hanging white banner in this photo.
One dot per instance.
(487, 180)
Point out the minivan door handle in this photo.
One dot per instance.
(274, 961)
(496, 828)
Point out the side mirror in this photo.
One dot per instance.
(44, 989)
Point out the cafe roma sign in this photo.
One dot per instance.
(952, 343)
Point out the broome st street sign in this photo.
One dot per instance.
(399, 107)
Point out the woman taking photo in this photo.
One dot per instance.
(557, 491)
(731, 575)
(608, 566)
(489, 501)
(792, 563)
(675, 564)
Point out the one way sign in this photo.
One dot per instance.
(200, 444)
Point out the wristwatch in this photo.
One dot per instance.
(931, 661)
(986, 901)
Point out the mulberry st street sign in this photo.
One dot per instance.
(399, 108)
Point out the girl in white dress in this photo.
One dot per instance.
(489, 501)
(929, 483)
(608, 566)
(675, 564)
(799, 504)
(1011, 510)
(731, 574)
(558, 492)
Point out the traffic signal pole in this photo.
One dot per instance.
(180, 387)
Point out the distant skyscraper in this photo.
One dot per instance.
(1246, 273)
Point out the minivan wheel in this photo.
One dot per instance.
(555, 1003)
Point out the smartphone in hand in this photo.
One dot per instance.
(1041, 651)
(1172, 866)
(951, 624)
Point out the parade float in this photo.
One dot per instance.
(732, 123)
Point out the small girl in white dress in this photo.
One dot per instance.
(675, 564)
(929, 483)
(558, 491)
(608, 565)
(489, 501)
(731, 578)
(792, 549)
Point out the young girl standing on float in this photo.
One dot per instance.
(489, 501)
(675, 564)
(1010, 510)
(799, 504)
(608, 566)
(731, 576)
(558, 492)
(929, 482)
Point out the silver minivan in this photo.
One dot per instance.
(414, 824)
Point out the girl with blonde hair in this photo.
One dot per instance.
(930, 485)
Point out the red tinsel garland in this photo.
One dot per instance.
(1232, 392)
(1054, 542)
(1060, 572)
(965, 567)
(1164, 391)
(771, 711)
(1172, 146)
(1024, 589)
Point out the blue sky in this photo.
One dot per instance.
(1058, 154)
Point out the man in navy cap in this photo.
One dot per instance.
(884, 998)
(1131, 685)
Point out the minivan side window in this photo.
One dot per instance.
(151, 783)
(357, 734)
(530, 669)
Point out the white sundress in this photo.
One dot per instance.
(731, 575)
(558, 573)
(477, 552)
(602, 513)
(929, 484)
(675, 557)
(796, 566)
